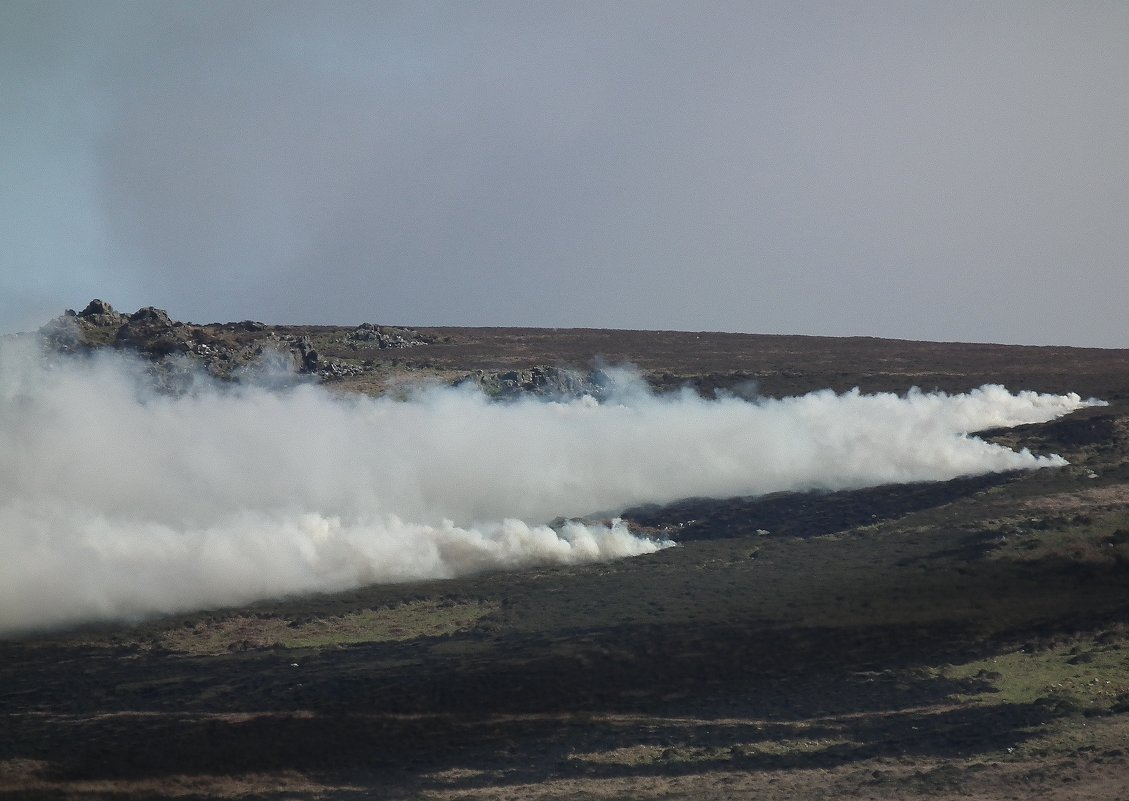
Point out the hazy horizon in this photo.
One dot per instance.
(932, 172)
(394, 323)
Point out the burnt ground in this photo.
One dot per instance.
(957, 639)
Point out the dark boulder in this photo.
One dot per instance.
(151, 316)
(97, 309)
(151, 331)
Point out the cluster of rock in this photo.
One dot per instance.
(175, 350)
(543, 381)
(95, 325)
(309, 359)
(250, 350)
(226, 351)
(148, 330)
(384, 337)
(329, 369)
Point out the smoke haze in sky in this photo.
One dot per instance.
(117, 503)
(952, 171)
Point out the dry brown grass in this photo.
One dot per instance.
(25, 777)
(407, 621)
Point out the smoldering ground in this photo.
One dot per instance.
(117, 502)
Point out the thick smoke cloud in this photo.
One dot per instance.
(116, 502)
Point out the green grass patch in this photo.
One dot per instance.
(1089, 675)
(408, 621)
(637, 755)
(1092, 536)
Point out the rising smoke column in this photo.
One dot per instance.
(117, 502)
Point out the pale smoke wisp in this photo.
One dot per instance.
(116, 503)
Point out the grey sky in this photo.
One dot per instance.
(936, 170)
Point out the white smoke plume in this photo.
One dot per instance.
(117, 503)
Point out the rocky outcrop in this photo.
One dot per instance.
(99, 313)
(152, 332)
(62, 334)
(76, 332)
(385, 337)
(176, 351)
(308, 359)
(543, 381)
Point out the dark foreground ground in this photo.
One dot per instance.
(967, 639)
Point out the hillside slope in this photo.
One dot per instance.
(967, 638)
